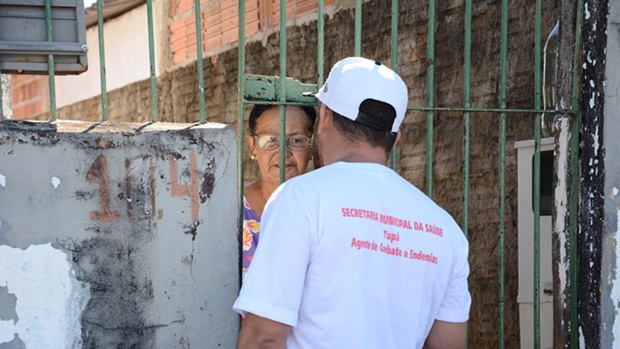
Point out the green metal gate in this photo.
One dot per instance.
(445, 102)
(285, 91)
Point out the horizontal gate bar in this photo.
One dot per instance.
(268, 88)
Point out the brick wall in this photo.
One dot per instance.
(220, 30)
(30, 95)
(220, 22)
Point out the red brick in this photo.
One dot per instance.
(212, 43)
(229, 12)
(212, 10)
(190, 21)
(228, 4)
(212, 31)
(305, 7)
(177, 24)
(191, 40)
(179, 44)
(173, 8)
(180, 55)
(251, 28)
(185, 5)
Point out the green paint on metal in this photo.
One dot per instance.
(283, 150)
(282, 90)
(466, 122)
(102, 72)
(320, 60)
(357, 50)
(199, 63)
(394, 64)
(153, 82)
(50, 60)
(492, 110)
(430, 95)
(537, 133)
(280, 103)
(502, 175)
(268, 88)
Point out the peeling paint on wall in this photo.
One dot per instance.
(561, 202)
(23, 276)
(615, 284)
(55, 182)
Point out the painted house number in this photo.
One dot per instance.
(140, 187)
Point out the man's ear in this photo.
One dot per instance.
(325, 120)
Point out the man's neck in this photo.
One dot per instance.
(358, 152)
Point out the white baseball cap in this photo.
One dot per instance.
(355, 79)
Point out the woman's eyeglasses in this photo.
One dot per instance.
(294, 142)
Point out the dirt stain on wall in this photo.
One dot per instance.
(114, 316)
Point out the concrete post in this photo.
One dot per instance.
(7, 96)
(610, 240)
(118, 235)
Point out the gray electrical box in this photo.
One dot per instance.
(24, 44)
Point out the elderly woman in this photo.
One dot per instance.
(264, 142)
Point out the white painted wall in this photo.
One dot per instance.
(126, 58)
(45, 286)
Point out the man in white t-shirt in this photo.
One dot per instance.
(351, 254)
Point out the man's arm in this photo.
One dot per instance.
(261, 333)
(447, 335)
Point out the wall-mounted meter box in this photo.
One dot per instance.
(525, 298)
(24, 41)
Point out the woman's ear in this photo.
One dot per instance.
(397, 137)
(251, 144)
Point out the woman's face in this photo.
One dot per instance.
(269, 160)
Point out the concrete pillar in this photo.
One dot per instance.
(7, 97)
(118, 235)
(566, 152)
(610, 280)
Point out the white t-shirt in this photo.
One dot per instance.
(354, 256)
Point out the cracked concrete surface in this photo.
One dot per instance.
(160, 261)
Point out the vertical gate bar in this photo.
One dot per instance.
(50, 60)
(240, 124)
(394, 63)
(574, 185)
(537, 126)
(358, 28)
(201, 82)
(102, 73)
(149, 12)
(1, 94)
(430, 97)
(466, 95)
(502, 171)
(282, 92)
(320, 59)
